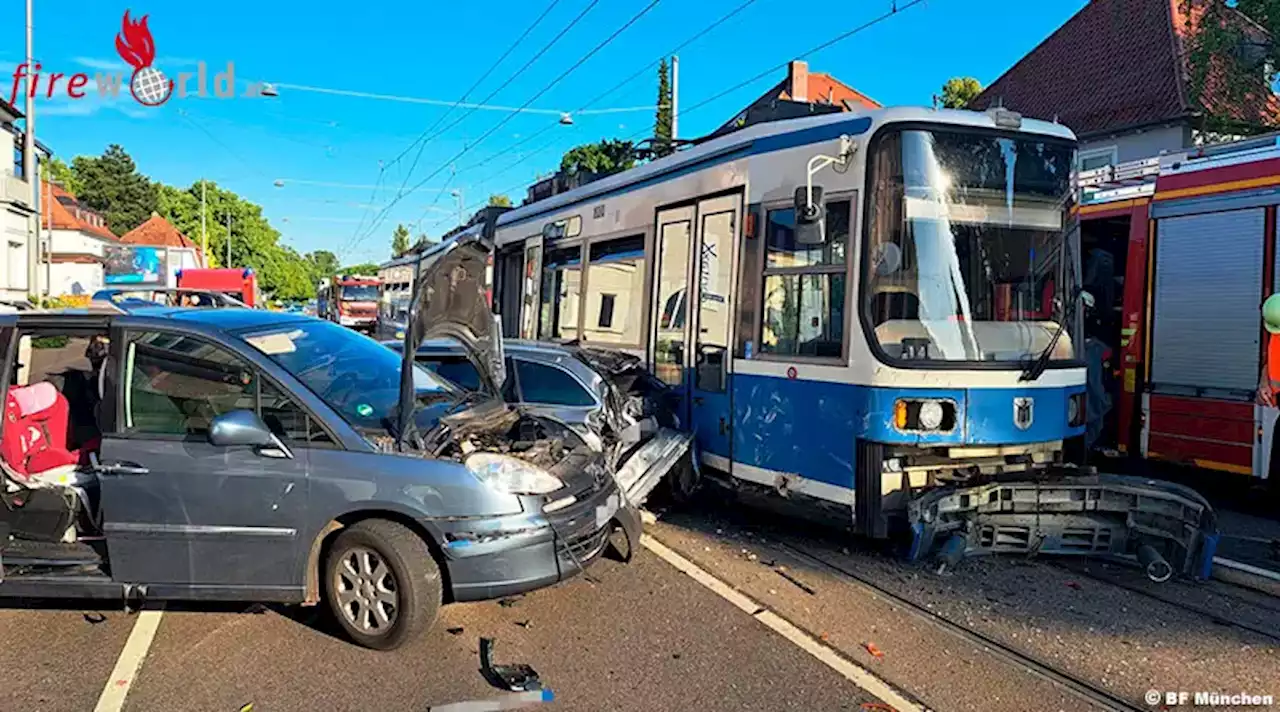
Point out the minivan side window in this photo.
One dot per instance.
(177, 384)
(288, 420)
(457, 369)
(549, 385)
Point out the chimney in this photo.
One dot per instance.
(798, 80)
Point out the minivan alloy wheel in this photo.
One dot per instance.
(366, 590)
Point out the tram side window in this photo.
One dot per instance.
(804, 286)
(615, 291)
(561, 288)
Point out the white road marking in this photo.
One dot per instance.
(130, 661)
(824, 653)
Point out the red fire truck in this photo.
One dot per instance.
(237, 282)
(352, 301)
(1180, 251)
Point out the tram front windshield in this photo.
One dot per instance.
(967, 257)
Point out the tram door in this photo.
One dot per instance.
(692, 311)
(530, 286)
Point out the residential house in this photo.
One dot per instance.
(17, 210)
(76, 236)
(801, 93)
(181, 251)
(1117, 73)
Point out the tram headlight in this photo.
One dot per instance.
(924, 415)
(930, 415)
(1076, 410)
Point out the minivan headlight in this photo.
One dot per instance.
(511, 475)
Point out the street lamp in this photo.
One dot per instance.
(566, 119)
(279, 183)
(458, 194)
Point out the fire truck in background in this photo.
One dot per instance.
(352, 301)
(240, 283)
(1179, 252)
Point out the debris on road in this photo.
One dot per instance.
(875, 652)
(457, 630)
(94, 618)
(524, 624)
(782, 571)
(877, 707)
(1074, 585)
(506, 702)
(516, 677)
(509, 601)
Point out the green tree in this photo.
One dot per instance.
(112, 185)
(365, 269)
(499, 201)
(1230, 56)
(662, 120)
(399, 241)
(602, 158)
(59, 172)
(322, 264)
(959, 91)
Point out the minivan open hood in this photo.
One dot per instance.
(449, 301)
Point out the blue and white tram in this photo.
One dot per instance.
(855, 307)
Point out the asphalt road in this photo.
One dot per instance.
(644, 637)
(650, 636)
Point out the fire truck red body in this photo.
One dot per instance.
(352, 301)
(1193, 238)
(240, 283)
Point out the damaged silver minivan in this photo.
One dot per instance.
(237, 454)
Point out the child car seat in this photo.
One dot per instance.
(33, 448)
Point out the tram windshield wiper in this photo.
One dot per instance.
(1037, 367)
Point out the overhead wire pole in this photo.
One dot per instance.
(32, 173)
(838, 38)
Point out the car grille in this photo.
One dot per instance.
(586, 546)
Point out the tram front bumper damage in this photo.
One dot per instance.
(1165, 527)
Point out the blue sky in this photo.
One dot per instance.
(436, 50)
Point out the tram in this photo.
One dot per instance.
(857, 309)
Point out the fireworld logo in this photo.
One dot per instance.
(148, 85)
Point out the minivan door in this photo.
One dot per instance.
(177, 509)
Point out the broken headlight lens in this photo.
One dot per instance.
(511, 475)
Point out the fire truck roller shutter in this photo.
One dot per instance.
(1208, 280)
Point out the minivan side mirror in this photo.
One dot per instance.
(243, 428)
(810, 217)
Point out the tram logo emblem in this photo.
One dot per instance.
(1023, 412)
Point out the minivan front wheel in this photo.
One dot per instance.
(382, 584)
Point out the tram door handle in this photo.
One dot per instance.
(724, 427)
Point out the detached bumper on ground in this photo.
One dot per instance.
(1123, 517)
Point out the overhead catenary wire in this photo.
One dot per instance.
(894, 10)
(423, 139)
(584, 108)
(635, 18)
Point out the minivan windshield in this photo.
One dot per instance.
(355, 375)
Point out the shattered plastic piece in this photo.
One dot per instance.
(247, 708)
(1074, 584)
(455, 631)
(798, 583)
(517, 677)
(509, 601)
(524, 624)
(875, 652)
(94, 618)
(507, 702)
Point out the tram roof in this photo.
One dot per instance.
(766, 138)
